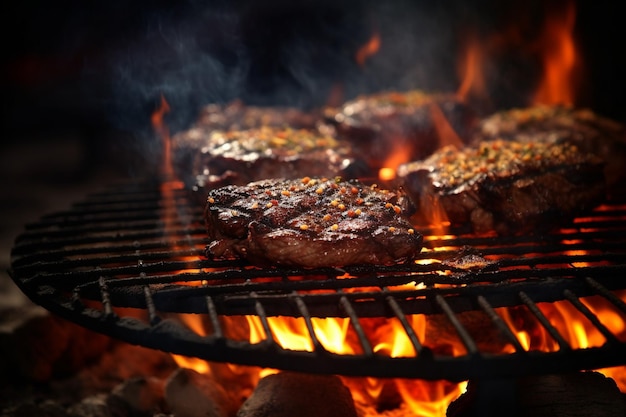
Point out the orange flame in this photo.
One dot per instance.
(367, 50)
(560, 59)
(472, 71)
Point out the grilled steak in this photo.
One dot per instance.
(588, 131)
(238, 116)
(242, 156)
(506, 186)
(310, 222)
(407, 122)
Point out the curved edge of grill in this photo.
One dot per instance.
(58, 263)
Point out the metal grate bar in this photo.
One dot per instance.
(408, 329)
(571, 297)
(260, 312)
(213, 316)
(317, 346)
(105, 297)
(554, 333)
(467, 340)
(152, 314)
(602, 290)
(356, 325)
(499, 323)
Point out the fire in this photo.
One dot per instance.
(472, 71)
(367, 50)
(398, 156)
(554, 49)
(560, 59)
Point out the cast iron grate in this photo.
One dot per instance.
(128, 262)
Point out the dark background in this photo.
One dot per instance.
(97, 70)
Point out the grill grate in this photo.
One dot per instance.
(128, 262)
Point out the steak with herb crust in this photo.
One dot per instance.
(506, 186)
(585, 129)
(242, 156)
(310, 222)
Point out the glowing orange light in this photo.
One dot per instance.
(560, 59)
(400, 154)
(369, 49)
(471, 71)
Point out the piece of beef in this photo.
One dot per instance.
(238, 116)
(412, 123)
(506, 186)
(587, 130)
(242, 156)
(310, 222)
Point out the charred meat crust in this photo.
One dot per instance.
(587, 130)
(385, 122)
(243, 156)
(310, 222)
(506, 186)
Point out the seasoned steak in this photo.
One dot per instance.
(239, 116)
(408, 122)
(242, 156)
(310, 222)
(559, 124)
(506, 186)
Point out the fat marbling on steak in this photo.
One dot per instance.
(508, 187)
(310, 222)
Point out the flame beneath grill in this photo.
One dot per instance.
(337, 335)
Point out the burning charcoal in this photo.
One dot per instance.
(572, 394)
(30, 409)
(95, 406)
(141, 395)
(38, 345)
(191, 394)
(288, 394)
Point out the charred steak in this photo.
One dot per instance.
(239, 116)
(590, 132)
(242, 156)
(506, 186)
(409, 122)
(310, 222)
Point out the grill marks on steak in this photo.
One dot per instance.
(310, 222)
(506, 186)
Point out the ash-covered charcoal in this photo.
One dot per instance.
(587, 130)
(508, 187)
(388, 122)
(310, 222)
(242, 156)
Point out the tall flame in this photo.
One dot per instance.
(560, 59)
(471, 70)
